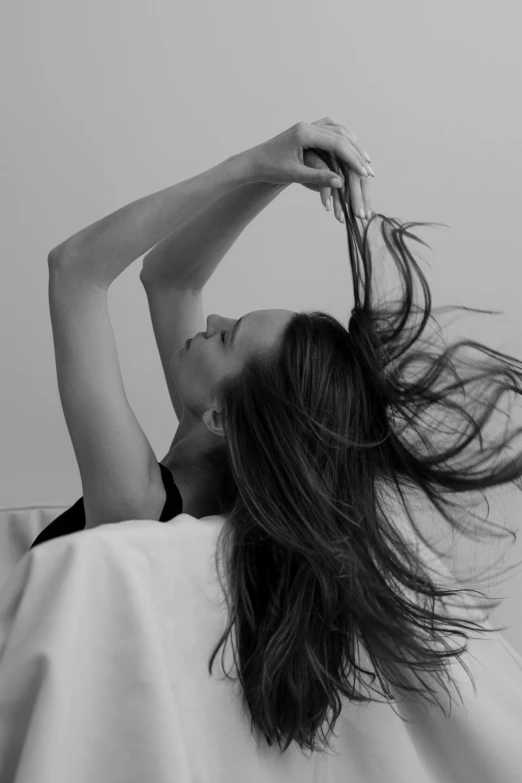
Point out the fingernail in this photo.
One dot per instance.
(367, 157)
(361, 213)
(341, 217)
(370, 170)
(328, 204)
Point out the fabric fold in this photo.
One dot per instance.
(105, 640)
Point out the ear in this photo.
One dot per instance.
(213, 420)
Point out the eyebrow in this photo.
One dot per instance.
(234, 330)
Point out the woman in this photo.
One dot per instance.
(302, 432)
(145, 488)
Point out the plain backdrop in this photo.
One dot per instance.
(105, 102)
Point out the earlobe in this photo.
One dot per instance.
(213, 420)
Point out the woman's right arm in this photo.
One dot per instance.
(188, 257)
(175, 271)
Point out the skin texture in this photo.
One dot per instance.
(210, 356)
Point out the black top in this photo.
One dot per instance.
(73, 519)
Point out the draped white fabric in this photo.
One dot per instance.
(105, 638)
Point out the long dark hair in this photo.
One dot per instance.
(328, 437)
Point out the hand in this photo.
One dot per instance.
(283, 159)
(358, 186)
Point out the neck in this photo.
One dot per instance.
(193, 464)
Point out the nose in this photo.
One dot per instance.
(213, 324)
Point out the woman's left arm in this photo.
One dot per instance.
(120, 475)
(119, 472)
(100, 252)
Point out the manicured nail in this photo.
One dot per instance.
(367, 157)
(328, 204)
(370, 170)
(341, 217)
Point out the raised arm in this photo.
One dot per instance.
(175, 271)
(119, 472)
(103, 250)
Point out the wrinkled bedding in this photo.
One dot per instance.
(105, 638)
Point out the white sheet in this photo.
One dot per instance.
(105, 637)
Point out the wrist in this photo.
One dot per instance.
(242, 169)
(245, 169)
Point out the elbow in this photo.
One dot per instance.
(52, 258)
(64, 253)
(56, 256)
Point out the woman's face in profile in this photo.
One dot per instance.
(222, 350)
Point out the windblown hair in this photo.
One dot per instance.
(328, 437)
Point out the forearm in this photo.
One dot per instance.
(103, 250)
(191, 253)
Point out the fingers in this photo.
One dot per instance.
(347, 148)
(359, 195)
(337, 127)
(331, 198)
(326, 198)
(365, 193)
(359, 190)
(358, 186)
(322, 138)
(338, 210)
